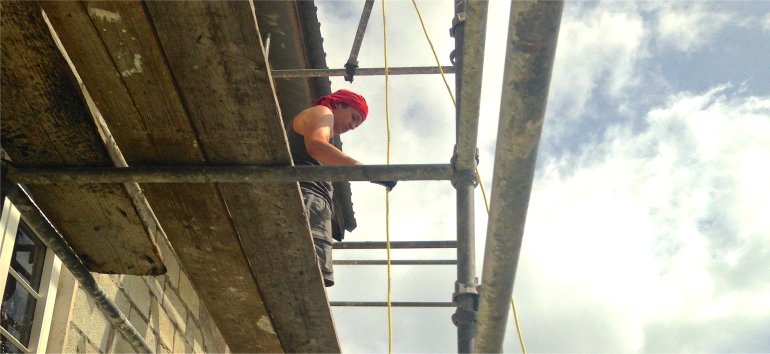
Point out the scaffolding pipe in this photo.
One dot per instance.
(469, 30)
(532, 37)
(470, 67)
(395, 262)
(394, 304)
(229, 174)
(415, 70)
(35, 219)
(352, 63)
(364, 245)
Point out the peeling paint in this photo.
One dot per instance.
(103, 15)
(136, 69)
(265, 325)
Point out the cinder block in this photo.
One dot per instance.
(75, 342)
(151, 339)
(108, 283)
(175, 309)
(165, 328)
(91, 348)
(139, 322)
(138, 292)
(194, 337)
(156, 285)
(121, 301)
(89, 320)
(180, 345)
(189, 295)
(122, 346)
(171, 262)
(162, 349)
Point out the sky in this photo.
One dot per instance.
(648, 223)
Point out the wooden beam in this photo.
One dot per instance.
(45, 122)
(215, 54)
(114, 47)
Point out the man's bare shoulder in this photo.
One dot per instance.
(316, 112)
(312, 118)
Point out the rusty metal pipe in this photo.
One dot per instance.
(394, 304)
(230, 174)
(411, 70)
(362, 245)
(532, 36)
(395, 262)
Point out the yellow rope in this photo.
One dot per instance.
(387, 192)
(483, 191)
(433, 50)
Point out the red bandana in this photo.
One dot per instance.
(349, 98)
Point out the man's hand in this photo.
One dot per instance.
(387, 184)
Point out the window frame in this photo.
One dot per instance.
(10, 222)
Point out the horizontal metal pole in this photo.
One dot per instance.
(396, 262)
(414, 70)
(368, 245)
(394, 304)
(229, 174)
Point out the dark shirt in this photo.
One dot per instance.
(302, 158)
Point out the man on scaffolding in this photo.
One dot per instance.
(309, 136)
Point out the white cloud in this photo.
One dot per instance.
(658, 229)
(598, 53)
(688, 26)
(766, 23)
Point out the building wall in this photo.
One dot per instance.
(165, 310)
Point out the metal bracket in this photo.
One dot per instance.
(458, 19)
(465, 314)
(461, 289)
(350, 70)
(461, 177)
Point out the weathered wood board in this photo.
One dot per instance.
(215, 54)
(114, 47)
(224, 113)
(45, 122)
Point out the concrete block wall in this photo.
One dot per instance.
(166, 310)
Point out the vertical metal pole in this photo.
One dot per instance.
(466, 294)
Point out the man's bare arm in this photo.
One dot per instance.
(316, 125)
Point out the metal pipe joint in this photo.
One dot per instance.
(464, 177)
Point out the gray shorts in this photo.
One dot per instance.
(320, 218)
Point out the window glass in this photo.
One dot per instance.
(7, 347)
(18, 310)
(28, 256)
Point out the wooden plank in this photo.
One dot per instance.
(115, 49)
(214, 51)
(45, 122)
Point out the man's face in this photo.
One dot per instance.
(346, 119)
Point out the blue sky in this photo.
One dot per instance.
(647, 228)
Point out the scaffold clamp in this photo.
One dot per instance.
(350, 70)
